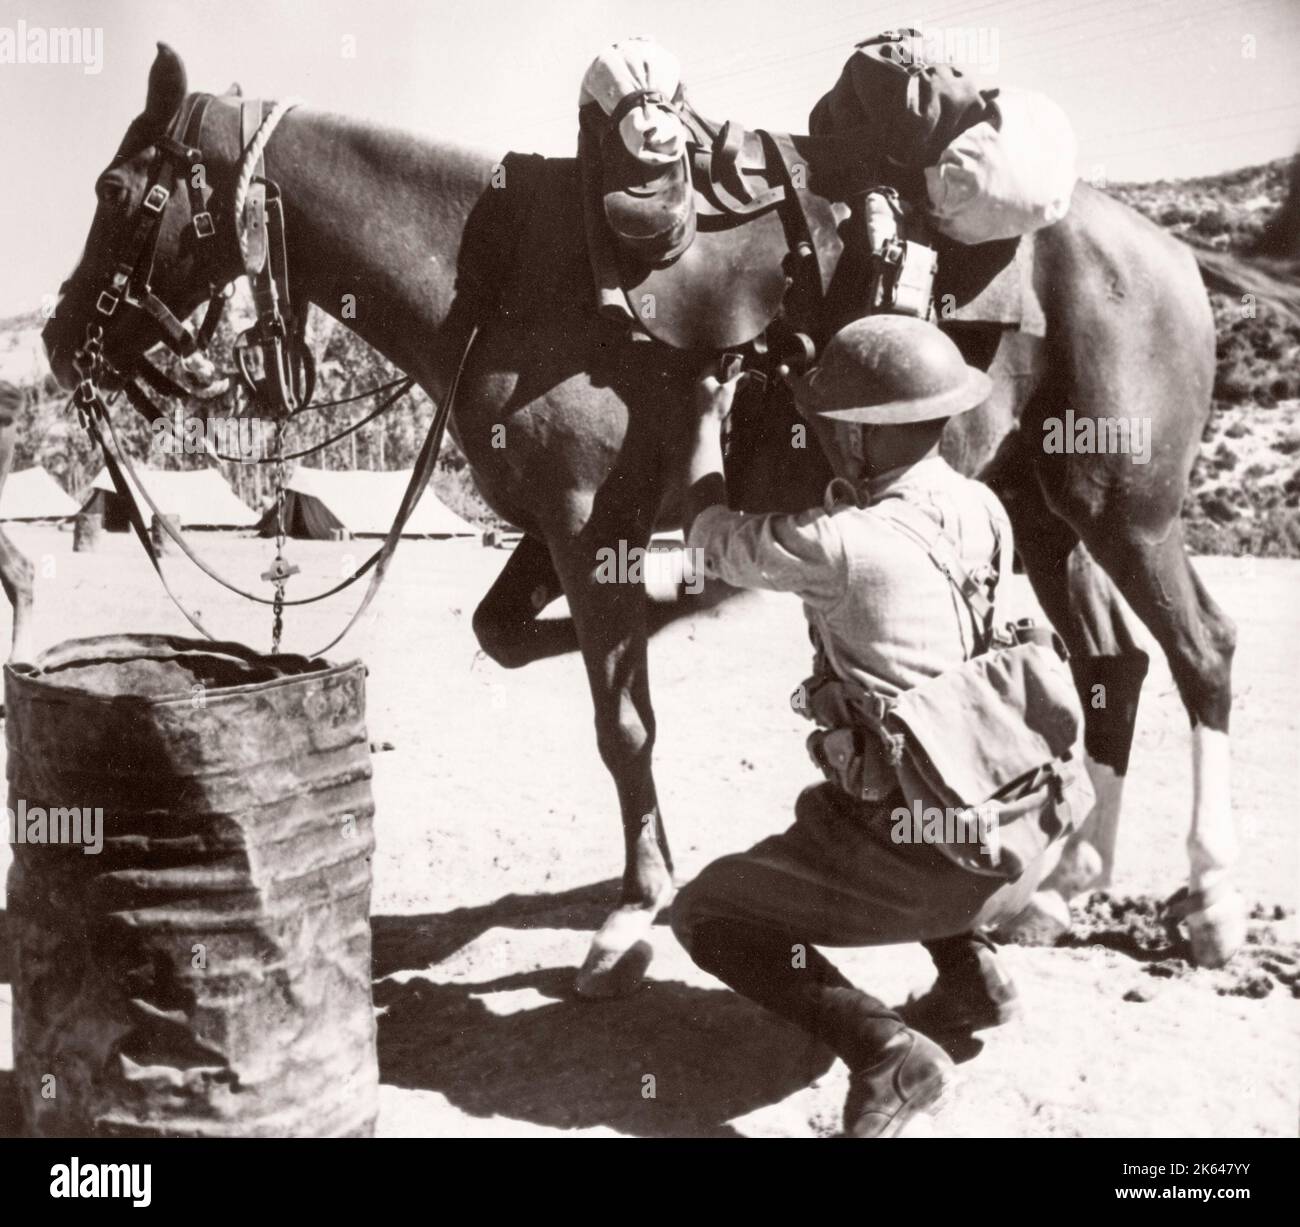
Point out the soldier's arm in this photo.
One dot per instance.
(705, 484)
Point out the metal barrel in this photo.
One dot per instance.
(206, 971)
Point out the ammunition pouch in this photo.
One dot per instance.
(994, 739)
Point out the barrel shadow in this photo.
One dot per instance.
(552, 1059)
(670, 1061)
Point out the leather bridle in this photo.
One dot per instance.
(287, 375)
(280, 378)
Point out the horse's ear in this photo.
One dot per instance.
(234, 91)
(167, 85)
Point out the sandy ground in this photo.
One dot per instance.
(499, 848)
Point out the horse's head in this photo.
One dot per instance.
(154, 252)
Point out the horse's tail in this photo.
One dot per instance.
(1271, 281)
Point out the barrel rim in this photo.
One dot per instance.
(33, 674)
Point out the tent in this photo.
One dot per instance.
(201, 497)
(32, 494)
(319, 502)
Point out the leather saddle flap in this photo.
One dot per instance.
(722, 291)
(989, 283)
(980, 727)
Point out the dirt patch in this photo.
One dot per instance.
(1139, 926)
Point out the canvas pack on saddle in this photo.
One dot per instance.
(983, 165)
(996, 737)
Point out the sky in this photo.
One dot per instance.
(1155, 88)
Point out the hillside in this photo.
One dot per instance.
(1245, 496)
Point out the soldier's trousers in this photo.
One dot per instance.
(836, 878)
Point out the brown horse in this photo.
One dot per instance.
(576, 434)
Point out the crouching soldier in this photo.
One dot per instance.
(921, 699)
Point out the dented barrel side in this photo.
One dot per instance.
(207, 971)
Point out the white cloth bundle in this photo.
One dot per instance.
(653, 134)
(997, 183)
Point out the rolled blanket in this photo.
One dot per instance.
(1000, 180)
(651, 133)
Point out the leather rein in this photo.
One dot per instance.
(272, 357)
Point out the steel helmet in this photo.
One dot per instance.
(886, 370)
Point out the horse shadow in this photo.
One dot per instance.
(403, 943)
(672, 1060)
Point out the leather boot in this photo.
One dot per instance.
(911, 1075)
(971, 992)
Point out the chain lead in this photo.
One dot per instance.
(281, 568)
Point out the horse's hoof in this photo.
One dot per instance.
(1043, 922)
(1217, 931)
(620, 954)
(1080, 869)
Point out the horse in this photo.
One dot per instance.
(15, 568)
(576, 433)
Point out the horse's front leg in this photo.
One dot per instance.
(16, 578)
(15, 570)
(609, 615)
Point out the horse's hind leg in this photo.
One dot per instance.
(1198, 640)
(1109, 668)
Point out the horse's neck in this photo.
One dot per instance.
(373, 220)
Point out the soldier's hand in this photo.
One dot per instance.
(716, 387)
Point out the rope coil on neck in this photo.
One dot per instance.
(251, 158)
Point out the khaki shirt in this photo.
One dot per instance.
(883, 615)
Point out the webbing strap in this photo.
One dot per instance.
(978, 592)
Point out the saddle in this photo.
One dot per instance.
(706, 253)
(749, 233)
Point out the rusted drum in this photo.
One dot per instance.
(206, 971)
(85, 530)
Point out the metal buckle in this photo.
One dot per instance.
(203, 226)
(106, 303)
(156, 199)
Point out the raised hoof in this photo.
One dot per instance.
(1216, 932)
(1043, 922)
(620, 954)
